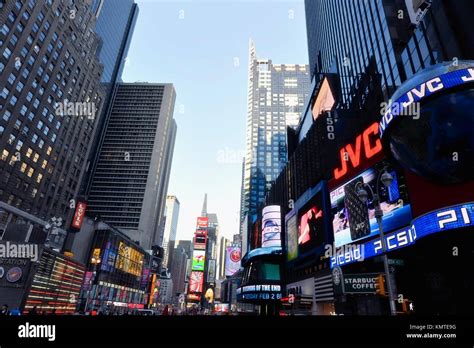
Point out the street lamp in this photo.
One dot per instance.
(386, 179)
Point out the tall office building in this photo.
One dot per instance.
(130, 183)
(181, 254)
(276, 97)
(168, 238)
(352, 37)
(50, 98)
(115, 23)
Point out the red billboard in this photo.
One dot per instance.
(202, 222)
(195, 281)
(79, 215)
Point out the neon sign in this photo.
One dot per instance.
(426, 89)
(353, 152)
(456, 216)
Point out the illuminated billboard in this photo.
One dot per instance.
(310, 220)
(199, 241)
(271, 224)
(437, 221)
(325, 99)
(199, 257)
(354, 220)
(232, 260)
(196, 281)
(56, 284)
(129, 260)
(202, 222)
(79, 215)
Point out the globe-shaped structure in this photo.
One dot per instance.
(437, 144)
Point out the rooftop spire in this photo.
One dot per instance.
(204, 206)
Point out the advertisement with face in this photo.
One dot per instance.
(195, 281)
(311, 224)
(198, 260)
(354, 220)
(232, 260)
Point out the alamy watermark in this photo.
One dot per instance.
(84, 109)
(11, 250)
(400, 109)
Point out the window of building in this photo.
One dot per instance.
(7, 53)
(7, 115)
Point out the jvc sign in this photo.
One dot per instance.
(426, 89)
(457, 216)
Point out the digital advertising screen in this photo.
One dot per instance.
(199, 257)
(196, 281)
(202, 222)
(271, 224)
(232, 260)
(311, 223)
(200, 241)
(354, 220)
(292, 237)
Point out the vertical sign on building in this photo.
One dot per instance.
(271, 224)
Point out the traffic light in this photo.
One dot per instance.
(380, 285)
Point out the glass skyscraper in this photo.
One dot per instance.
(349, 36)
(115, 23)
(276, 97)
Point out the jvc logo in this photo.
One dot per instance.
(37, 331)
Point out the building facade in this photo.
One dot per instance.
(130, 183)
(181, 253)
(49, 104)
(115, 23)
(171, 226)
(276, 95)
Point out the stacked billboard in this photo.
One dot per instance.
(232, 260)
(198, 262)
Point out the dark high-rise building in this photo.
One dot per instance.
(181, 254)
(130, 183)
(50, 99)
(348, 37)
(115, 25)
(116, 21)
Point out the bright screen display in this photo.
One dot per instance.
(354, 220)
(232, 260)
(198, 260)
(195, 281)
(311, 224)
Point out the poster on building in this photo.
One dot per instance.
(271, 225)
(232, 260)
(211, 271)
(199, 257)
(196, 281)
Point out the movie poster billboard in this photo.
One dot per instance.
(232, 260)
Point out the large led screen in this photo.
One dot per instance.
(195, 281)
(232, 260)
(311, 224)
(353, 220)
(198, 260)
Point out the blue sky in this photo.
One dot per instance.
(202, 48)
